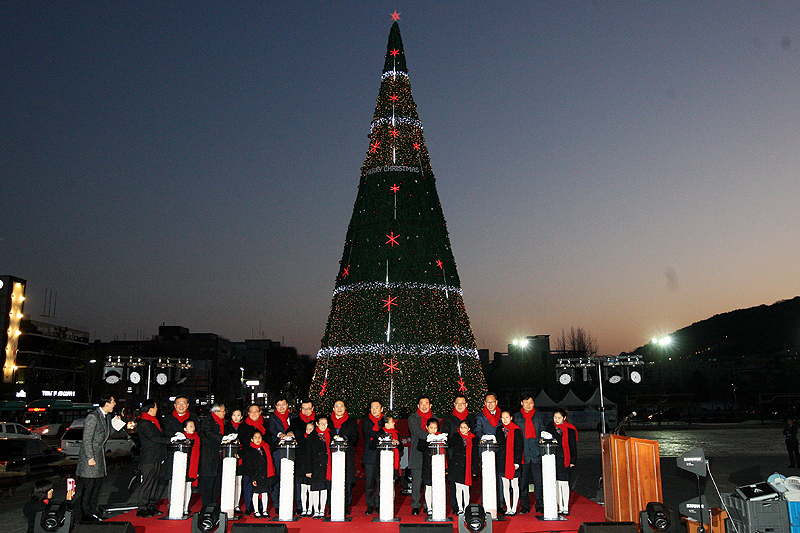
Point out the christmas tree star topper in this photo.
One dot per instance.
(395, 15)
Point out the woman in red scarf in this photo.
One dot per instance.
(566, 455)
(510, 445)
(463, 462)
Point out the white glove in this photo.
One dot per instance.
(546, 435)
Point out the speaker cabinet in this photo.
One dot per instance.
(259, 528)
(440, 527)
(104, 527)
(608, 527)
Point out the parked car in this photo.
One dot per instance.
(119, 443)
(26, 456)
(11, 430)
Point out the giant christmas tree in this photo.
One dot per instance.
(398, 327)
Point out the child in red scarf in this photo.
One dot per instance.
(509, 460)
(566, 455)
(427, 463)
(261, 471)
(190, 430)
(463, 463)
(320, 474)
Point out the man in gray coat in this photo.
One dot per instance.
(417, 423)
(91, 468)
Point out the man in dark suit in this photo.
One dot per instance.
(372, 427)
(531, 423)
(450, 424)
(173, 423)
(91, 468)
(152, 454)
(210, 472)
(417, 424)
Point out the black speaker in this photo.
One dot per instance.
(259, 528)
(608, 527)
(440, 527)
(658, 519)
(104, 527)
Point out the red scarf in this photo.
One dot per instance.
(181, 418)
(151, 418)
(337, 422)
(284, 418)
(468, 445)
(425, 417)
(376, 422)
(530, 429)
(194, 457)
(395, 436)
(258, 424)
(235, 424)
(565, 427)
(460, 416)
(220, 422)
(509, 473)
(268, 454)
(308, 419)
(494, 419)
(326, 435)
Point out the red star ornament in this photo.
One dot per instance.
(416, 146)
(324, 386)
(394, 52)
(346, 272)
(394, 98)
(438, 263)
(461, 386)
(395, 15)
(375, 146)
(391, 366)
(392, 239)
(394, 133)
(395, 188)
(389, 302)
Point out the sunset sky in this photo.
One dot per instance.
(625, 167)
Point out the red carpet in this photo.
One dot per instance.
(581, 510)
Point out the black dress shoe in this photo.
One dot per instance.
(415, 511)
(369, 510)
(524, 511)
(154, 512)
(144, 513)
(540, 509)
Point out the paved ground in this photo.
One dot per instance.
(736, 456)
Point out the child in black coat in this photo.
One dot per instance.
(427, 470)
(257, 463)
(320, 471)
(566, 455)
(464, 462)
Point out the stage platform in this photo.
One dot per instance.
(581, 510)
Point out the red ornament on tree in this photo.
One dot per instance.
(461, 386)
(389, 302)
(393, 239)
(391, 366)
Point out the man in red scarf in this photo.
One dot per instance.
(211, 432)
(279, 426)
(417, 426)
(486, 423)
(371, 427)
(297, 426)
(172, 424)
(152, 443)
(345, 426)
(450, 424)
(531, 423)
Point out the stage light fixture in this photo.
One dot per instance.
(209, 520)
(565, 376)
(613, 375)
(475, 520)
(635, 376)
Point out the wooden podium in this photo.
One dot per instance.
(631, 476)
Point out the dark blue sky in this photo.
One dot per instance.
(627, 167)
